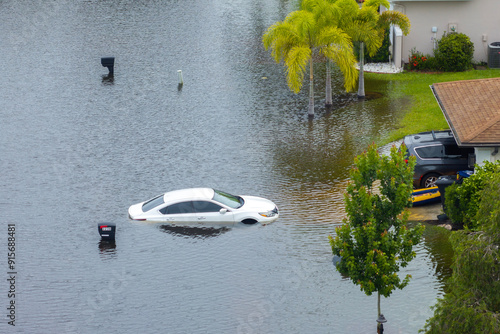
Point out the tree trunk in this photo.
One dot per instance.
(378, 304)
(361, 83)
(328, 99)
(380, 327)
(311, 90)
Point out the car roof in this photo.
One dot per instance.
(430, 137)
(188, 194)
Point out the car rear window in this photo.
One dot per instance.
(152, 203)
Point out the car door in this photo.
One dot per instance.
(177, 213)
(211, 213)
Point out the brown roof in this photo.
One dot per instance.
(472, 110)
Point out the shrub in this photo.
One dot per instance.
(419, 61)
(472, 304)
(383, 53)
(454, 52)
(462, 201)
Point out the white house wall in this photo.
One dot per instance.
(478, 19)
(486, 154)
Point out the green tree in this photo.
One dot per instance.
(367, 26)
(472, 303)
(374, 241)
(303, 33)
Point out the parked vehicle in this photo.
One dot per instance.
(437, 154)
(205, 206)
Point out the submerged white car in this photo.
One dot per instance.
(205, 206)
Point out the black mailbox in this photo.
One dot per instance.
(107, 230)
(108, 62)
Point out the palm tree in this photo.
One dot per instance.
(326, 14)
(366, 25)
(294, 41)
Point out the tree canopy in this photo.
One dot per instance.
(374, 241)
(367, 26)
(307, 31)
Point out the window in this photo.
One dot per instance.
(204, 206)
(178, 208)
(232, 201)
(430, 152)
(152, 203)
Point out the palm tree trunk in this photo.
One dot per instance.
(361, 83)
(328, 99)
(311, 90)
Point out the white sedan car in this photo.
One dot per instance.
(205, 206)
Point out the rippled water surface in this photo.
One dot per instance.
(78, 148)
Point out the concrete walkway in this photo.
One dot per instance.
(380, 68)
(426, 212)
(429, 214)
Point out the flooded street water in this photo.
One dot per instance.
(78, 148)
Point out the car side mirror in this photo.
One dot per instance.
(222, 211)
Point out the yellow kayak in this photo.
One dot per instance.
(425, 196)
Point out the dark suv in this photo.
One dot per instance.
(437, 154)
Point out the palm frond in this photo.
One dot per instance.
(326, 13)
(368, 14)
(346, 61)
(377, 3)
(308, 5)
(334, 35)
(296, 62)
(280, 37)
(304, 24)
(349, 11)
(397, 18)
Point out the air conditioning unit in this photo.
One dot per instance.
(494, 55)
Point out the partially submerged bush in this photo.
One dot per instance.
(472, 304)
(462, 201)
(454, 53)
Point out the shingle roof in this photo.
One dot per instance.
(472, 110)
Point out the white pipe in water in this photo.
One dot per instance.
(181, 81)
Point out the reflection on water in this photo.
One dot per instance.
(107, 247)
(79, 148)
(194, 231)
(439, 249)
(108, 79)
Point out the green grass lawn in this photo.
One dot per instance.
(423, 113)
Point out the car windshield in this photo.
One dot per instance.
(232, 201)
(152, 203)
